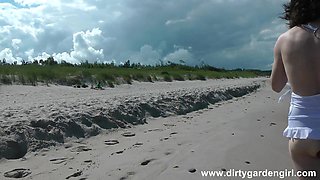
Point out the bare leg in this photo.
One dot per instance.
(305, 155)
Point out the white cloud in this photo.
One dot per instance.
(8, 56)
(30, 52)
(147, 56)
(24, 20)
(43, 56)
(180, 55)
(81, 5)
(15, 43)
(84, 46)
(38, 2)
(177, 21)
(66, 57)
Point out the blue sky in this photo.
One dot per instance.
(221, 33)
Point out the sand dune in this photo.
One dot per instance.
(185, 128)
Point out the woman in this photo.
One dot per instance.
(297, 61)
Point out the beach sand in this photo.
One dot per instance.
(243, 133)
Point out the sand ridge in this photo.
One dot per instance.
(34, 127)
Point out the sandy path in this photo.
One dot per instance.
(242, 134)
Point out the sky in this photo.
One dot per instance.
(222, 33)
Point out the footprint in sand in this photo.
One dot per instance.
(173, 133)
(128, 134)
(272, 124)
(58, 160)
(17, 173)
(153, 130)
(80, 149)
(127, 176)
(76, 174)
(188, 117)
(146, 162)
(138, 144)
(248, 162)
(192, 170)
(119, 152)
(88, 161)
(111, 142)
(164, 139)
(169, 125)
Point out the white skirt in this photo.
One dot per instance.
(303, 117)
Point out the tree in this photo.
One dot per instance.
(50, 61)
(127, 64)
(4, 61)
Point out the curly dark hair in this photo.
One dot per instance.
(298, 12)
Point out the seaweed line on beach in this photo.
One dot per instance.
(54, 128)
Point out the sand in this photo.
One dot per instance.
(221, 133)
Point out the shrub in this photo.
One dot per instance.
(32, 78)
(86, 74)
(5, 79)
(178, 77)
(138, 77)
(189, 76)
(164, 73)
(127, 79)
(167, 78)
(73, 80)
(149, 79)
(200, 77)
(110, 84)
(22, 79)
(106, 76)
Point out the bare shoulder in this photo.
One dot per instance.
(286, 36)
(291, 36)
(281, 39)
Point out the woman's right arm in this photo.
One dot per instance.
(278, 74)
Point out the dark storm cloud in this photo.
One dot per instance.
(211, 28)
(223, 33)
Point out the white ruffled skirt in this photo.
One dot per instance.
(303, 117)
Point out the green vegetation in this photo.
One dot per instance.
(49, 71)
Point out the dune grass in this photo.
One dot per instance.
(109, 74)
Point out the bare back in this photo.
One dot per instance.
(300, 53)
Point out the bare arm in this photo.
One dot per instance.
(278, 75)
